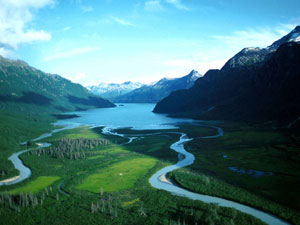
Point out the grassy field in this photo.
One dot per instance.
(36, 185)
(79, 132)
(119, 176)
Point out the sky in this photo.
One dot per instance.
(93, 41)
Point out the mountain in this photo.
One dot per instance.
(24, 88)
(157, 91)
(293, 36)
(113, 90)
(256, 85)
(250, 57)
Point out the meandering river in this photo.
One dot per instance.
(140, 117)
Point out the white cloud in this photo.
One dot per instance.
(255, 37)
(177, 4)
(14, 16)
(70, 53)
(111, 20)
(153, 5)
(181, 63)
(5, 52)
(79, 77)
(86, 9)
(203, 66)
(283, 29)
(157, 5)
(121, 21)
(180, 66)
(66, 28)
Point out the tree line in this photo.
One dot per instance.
(71, 148)
(24, 200)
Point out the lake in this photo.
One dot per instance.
(136, 116)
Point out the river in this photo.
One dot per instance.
(140, 117)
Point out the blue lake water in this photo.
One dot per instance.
(137, 116)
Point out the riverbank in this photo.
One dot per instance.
(9, 180)
(163, 178)
(15, 129)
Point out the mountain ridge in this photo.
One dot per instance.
(254, 88)
(156, 91)
(25, 87)
(113, 90)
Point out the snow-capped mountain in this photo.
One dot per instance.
(293, 36)
(186, 81)
(249, 57)
(112, 90)
(156, 91)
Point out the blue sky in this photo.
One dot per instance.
(93, 41)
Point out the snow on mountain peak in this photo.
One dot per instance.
(194, 74)
(250, 49)
(106, 87)
(295, 37)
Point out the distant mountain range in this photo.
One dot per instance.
(256, 85)
(24, 88)
(113, 90)
(155, 92)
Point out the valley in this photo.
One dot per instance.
(131, 133)
(113, 178)
(130, 92)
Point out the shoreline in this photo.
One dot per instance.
(9, 180)
(163, 178)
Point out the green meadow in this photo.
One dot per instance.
(119, 176)
(36, 185)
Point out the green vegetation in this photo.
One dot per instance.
(119, 176)
(191, 130)
(247, 148)
(54, 94)
(72, 148)
(17, 202)
(84, 132)
(36, 185)
(75, 133)
(194, 131)
(16, 128)
(133, 201)
(26, 111)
